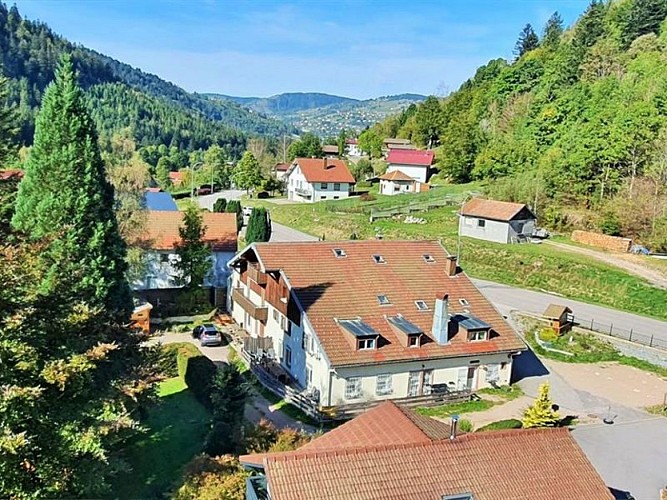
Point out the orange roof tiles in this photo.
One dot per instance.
(331, 288)
(540, 464)
(162, 231)
(493, 209)
(396, 175)
(324, 170)
(5, 175)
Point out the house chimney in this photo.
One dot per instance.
(325, 163)
(440, 328)
(452, 428)
(450, 265)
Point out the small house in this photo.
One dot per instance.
(280, 170)
(176, 178)
(499, 221)
(315, 179)
(352, 147)
(397, 182)
(330, 150)
(413, 163)
(560, 317)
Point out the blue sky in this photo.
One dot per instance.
(261, 48)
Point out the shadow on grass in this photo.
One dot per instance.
(176, 429)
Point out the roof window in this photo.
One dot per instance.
(383, 300)
(379, 259)
(428, 258)
(339, 253)
(464, 302)
(421, 305)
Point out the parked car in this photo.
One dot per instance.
(207, 334)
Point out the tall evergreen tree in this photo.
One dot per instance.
(527, 41)
(162, 173)
(590, 26)
(259, 226)
(194, 255)
(645, 16)
(66, 197)
(234, 207)
(553, 31)
(8, 127)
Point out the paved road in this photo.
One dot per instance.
(284, 233)
(207, 201)
(507, 298)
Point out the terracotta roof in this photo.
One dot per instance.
(282, 167)
(411, 157)
(176, 176)
(5, 175)
(396, 175)
(492, 209)
(324, 289)
(350, 141)
(555, 311)
(162, 231)
(330, 148)
(540, 464)
(324, 170)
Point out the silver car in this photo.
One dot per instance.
(207, 334)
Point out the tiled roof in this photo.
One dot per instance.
(492, 209)
(162, 231)
(410, 157)
(350, 141)
(555, 311)
(385, 424)
(540, 464)
(282, 167)
(331, 288)
(5, 175)
(330, 148)
(324, 170)
(396, 175)
(394, 140)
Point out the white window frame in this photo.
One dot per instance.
(368, 344)
(411, 338)
(336, 186)
(383, 300)
(324, 186)
(353, 388)
(383, 384)
(418, 304)
(475, 334)
(379, 259)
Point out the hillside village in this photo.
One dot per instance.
(399, 311)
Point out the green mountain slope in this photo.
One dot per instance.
(577, 126)
(287, 103)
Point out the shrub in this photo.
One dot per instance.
(199, 374)
(610, 225)
(220, 205)
(465, 425)
(221, 439)
(207, 478)
(541, 412)
(548, 335)
(367, 197)
(512, 423)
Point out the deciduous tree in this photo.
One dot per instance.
(247, 173)
(308, 146)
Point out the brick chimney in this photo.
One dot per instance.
(450, 265)
(440, 329)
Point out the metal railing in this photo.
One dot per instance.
(632, 335)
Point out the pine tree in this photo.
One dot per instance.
(228, 398)
(590, 26)
(645, 16)
(8, 128)
(162, 173)
(194, 261)
(541, 413)
(553, 31)
(527, 41)
(234, 207)
(65, 196)
(259, 226)
(247, 173)
(220, 205)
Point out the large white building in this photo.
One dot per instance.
(160, 240)
(499, 221)
(413, 163)
(316, 179)
(355, 321)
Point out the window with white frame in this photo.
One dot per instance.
(309, 376)
(336, 186)
(428, 258)
(421, 305)
(383, 385)
(383, 300)
(352, 387)
(366, 344)
(477, 335)
(276, 315)
(325, 186)
(379, 259)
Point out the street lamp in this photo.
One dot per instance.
(192, 177)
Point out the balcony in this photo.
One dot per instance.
(255, 312)
(306, 193)
(256, 275)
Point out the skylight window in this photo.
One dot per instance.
(464, 302)
(383, 300)
(339, 253)
(421, 305)
(428, 258)
(379, 259)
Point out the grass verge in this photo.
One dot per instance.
(511, 423)
(456, 408)
(658, 410)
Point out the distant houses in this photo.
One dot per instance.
(352, 148)
(499, 221)
(330, 151)
(280, 171)
(315, 179)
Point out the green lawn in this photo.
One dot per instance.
(177, 427)
(456, 408)
(539, 267)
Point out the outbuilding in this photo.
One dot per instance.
(499, 221)
(560, 317)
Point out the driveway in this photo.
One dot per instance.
(507, 298)
(284, 233)
(207, 201)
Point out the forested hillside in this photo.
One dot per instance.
(575, 125)
(119, 95)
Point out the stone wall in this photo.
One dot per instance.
(613, 243)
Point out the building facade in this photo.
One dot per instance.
(413, 163)
(313, 179)
(396, 182)
(498, 221)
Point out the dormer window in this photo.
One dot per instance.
(421, 305)
(379, 259)
(383, 300)
(464, 302)
(365, 344)
(413, 340)
(428, 258)
(339, 253)
(477, 335)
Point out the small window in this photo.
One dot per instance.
(365, 344)
(288, 330)
(276, 315)
(288, 357)
(325, 186)
(478, 335)
(413, 340)
(481, 223)
(474, 362)
(323, 197)
(339, 252)
(383, 385)
(164, 257)
(336, 186)
(383, 300)
(336, 197)
(421, 305)
(464, 302)
(428, 258)
(379, 259)
(353, 388)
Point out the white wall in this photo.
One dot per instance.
(160, 270)
(297, 180)
(388, 187)
(330, 193)
(414, 171)
(492, 231)
(353, 150)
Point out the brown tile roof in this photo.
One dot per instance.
(331, 288)
(162, 231)
(492, 209)
(330, 149)
(282, 167)
(555, 311)
(540, 464)
(176, 176)
(324, 170)
(396, 175)
(385, 424)
(394, 140)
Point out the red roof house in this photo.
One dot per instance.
(414, 163)
(316, 179)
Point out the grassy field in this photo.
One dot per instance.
(177, 427)
(539, 267)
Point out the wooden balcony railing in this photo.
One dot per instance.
(256, 312)
(256, 275)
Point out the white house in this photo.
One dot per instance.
(315, 179)
(414, 163)
(396, 182)
(352, 148)
(160, 242)
(499, 221)
(354, 321)
(280, 169)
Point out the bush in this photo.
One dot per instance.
(222, 439)
(465, 425)
(206, 478)
(184, 302)
(367, 197)
(219, 205)
(512, 423)
(548, 335)
(199, 374)
(610, 225)
(262, 195)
